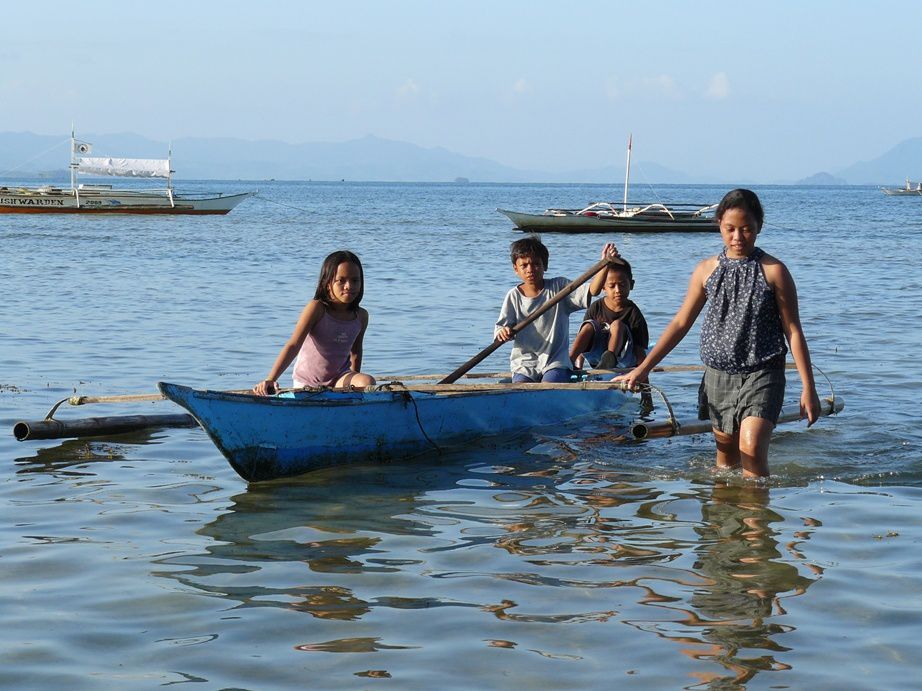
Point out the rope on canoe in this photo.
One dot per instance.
(419, 422)
(644, 388)
(671, 419)
(54, 408)
(400, 387)
(832, 390)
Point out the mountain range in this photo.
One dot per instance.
(27, 155)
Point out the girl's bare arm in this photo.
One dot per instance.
(677, 329)
(355, 358)
(310, 315)
(782, 283)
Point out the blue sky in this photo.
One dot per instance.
(729, 90)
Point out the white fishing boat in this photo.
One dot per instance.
(105, 199)
(607, 217)
(910, 189)
(604, 217)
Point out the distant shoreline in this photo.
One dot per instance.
(374, 159)
(64, 178)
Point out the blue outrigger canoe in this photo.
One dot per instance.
(268, 437)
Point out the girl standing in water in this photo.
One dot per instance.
(752, 312)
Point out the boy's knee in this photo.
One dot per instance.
(618, 328)
(591, 324)
(586, 329)
(558, 375)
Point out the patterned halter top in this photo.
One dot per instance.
(742, 327)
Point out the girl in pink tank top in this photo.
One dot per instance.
(326, 344)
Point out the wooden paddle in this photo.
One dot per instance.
(569, 288)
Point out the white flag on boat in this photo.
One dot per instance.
(82, 147)
(127, 167)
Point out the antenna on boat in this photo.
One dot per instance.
(627, 169)
(169, 173)
(73, 158)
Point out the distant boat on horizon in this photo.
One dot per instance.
(600, 217)
(910, 189)
(104, 199)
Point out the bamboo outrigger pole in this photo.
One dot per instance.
(384, 378)
(675, 428)
(97, 426)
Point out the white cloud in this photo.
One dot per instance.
(665, 85)
(719, 87)
(408, 88)
(520, 87)
(611, 89)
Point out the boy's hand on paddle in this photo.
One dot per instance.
(504, 334)
(609, 251)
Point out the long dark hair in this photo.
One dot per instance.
(328, 273)
(744, 199)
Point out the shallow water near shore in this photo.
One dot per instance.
(565, 559)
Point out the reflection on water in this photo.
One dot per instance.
(705, 567)
(71, 454)
(334, 525)
(579, 568)
(734, 613)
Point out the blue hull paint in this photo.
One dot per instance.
(270, 437)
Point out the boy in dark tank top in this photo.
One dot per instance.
(614, 333)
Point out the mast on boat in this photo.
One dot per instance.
(73, 160)
(627, 169)
(169, 174)
(76, 148)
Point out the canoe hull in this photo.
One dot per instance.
(574, 223)
(268, 437)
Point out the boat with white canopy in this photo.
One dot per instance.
(104, 198)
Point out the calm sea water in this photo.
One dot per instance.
(142, 560)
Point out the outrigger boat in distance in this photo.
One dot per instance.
(605, 217)
(602, 217)
(269, 437)
(104, 199)
(910, 189)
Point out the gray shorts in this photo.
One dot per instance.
(727, 399)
